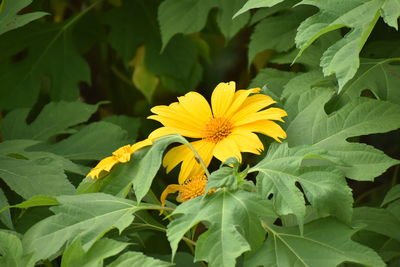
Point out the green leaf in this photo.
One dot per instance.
(392, 195)
(326, 189)
(277, 32)
(186, 16)
(132, 24)
(324, 241)
(223, 177)
(12, 252)
(256, 4)
(310, 125)
(75, 255)
(230, 26)
(342, 58)
(34, 177)
(278, 173)
(377, 75)
(380, 221)
(54, 119)
(234, 225)
(5, 216)
(51, 56)
(35, 201)
(129, 124)
(87, 217)
(134, 258)
(273, 79)
(9, 18)
(391, 12)
(92, 142)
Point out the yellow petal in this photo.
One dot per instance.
(197, 106)
(266, 127)
(221, 98)
(227, 148)
(247, 142)
(105, 164)
(175, 156)
(170, 189)
(181, 127)
(123, 154)
(160, 132)
(139, 145)
(251, 105)
(238, 99)
(268, 114)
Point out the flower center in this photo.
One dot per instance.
(192, 188)
(217, 129)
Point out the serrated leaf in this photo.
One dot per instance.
(273, 79)
(12, 252)
(234, 225)
(327, 191)
(92, 142)
(277, 32)
(9, 18)
(21, 81)
(256, 4)
(75, 255)
(230, 26)
(86, 217)
(392, 195)
(277, 175)
(55, 118)
(223, 177)
(378, 220)
(342, 58)
(310, 125)
(325, 242)
(391, 12)
(34, 177)
(377, 75)
(133, 258)
(187, 16)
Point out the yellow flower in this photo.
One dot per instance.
(122, 154)
(191, 188)
(225, 129)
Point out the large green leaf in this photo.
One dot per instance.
(392, 195)
(325, 242)
(277, 32)
(273, 79)
(134, 258)
(391, 12)
(51, 56)
(377, 75)
(233, 220)
(279, 172)
(5, 216)
(34, 177)
(257, 4)
(9, 18)
(230, 26)
(342, 58)
(12, 252)
(75, 255)
(55, 118)
(310, 125)
(86, 216)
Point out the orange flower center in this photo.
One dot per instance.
(217, 129)
(192, 188)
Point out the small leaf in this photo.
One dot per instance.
(324, 241)
(134, 258)
(9, 18)
(273, 79)
(12, 252)
(392, 195)
(230, 26)
(391, 12)
(256, 4)
(5, 216)
(35, 201)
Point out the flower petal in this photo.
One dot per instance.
(123, 154)
(180, 127)
(227, 148)
(247, 142)
(266, 127)
(170, 189)
(175, 156)
(139, 145)
(160, 132)
(222, 97)
(105, 164)
(251, 105)
(238, 99)
(197, 106)
(268, 114)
